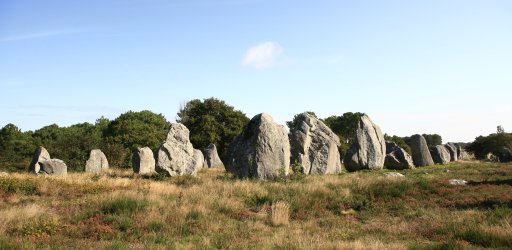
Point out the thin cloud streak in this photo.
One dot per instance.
(40, 34)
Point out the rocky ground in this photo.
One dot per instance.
(424, 209)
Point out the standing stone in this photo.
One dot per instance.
(452, 149)
(143, 161)
(176, 155)
(504, 154)
(53, 167)
(397, 158)
(314, 146)
(369, 149)
(420, 153)
(440, 154)
(261, 151)
(40, 154)
(199, 160)
(212, 158)
(97, 162)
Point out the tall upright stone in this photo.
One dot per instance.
(420, 152)
(261, 151)
(176, 155)
(97, 162)
(143, 161)
(440, 154)
(452, 149)
(199, 160)
(368, 150)
(212, 157)
(397, 158)
(314, 146)
(40, 154)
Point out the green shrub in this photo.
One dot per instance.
(16, 186)
(123, 205)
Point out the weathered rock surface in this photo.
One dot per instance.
(143, 161)
(212, 157)
(199, 160)
(97, 162)
(53, 167)
(261, 151)
(440, 154)
(397, 158)
(369, 149)
(176, 155)
(504, 154)
(314, 146)
(452, 149)
(40, 154)
(420, 153)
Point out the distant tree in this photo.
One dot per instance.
(492, 143)
(500, 129)
(291, 124)
(433, 139)
(15, 146)
(400, 141)
(131, 130)
(212, 121)
(345, 126)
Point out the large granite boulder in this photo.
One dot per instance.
(314, 146)
(452, 149)
(369, 149)
(176, 155)
(261, 151)
(143, 161)
(212, 158)
(440, 154)
(40, 154)
(53, 167)
(397, 158)
(97, 162)
(420, 152)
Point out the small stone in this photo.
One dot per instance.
(393, 174)
(457, 182)
(54, 167)
(212, 158)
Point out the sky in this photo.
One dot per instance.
(437, 66)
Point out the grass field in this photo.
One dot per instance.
(363, 210)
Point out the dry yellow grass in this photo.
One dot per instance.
(280, 214)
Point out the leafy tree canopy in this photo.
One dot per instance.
(212, 121)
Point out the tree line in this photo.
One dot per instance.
(209, 121)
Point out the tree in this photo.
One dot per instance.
(490, 144)
(500, 129)
(16, 147)
(131, 130)
(400, 141)
(212, 121)
(433, 139)
(345, 126)
(291, 124)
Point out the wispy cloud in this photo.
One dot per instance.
(40, 34)
(263, 55)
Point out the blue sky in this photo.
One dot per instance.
(414, 66)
